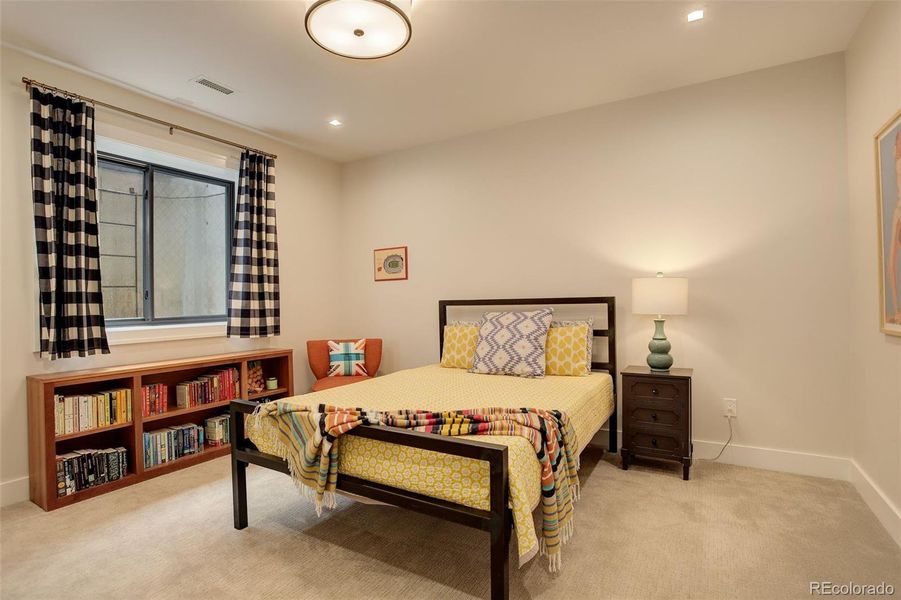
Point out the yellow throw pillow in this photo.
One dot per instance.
(459, 345)
(568, 349)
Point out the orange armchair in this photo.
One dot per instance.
(317, 353)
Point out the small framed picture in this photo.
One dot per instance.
(390, 264)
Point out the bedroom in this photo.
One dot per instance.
(573, 155)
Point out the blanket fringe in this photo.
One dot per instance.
(257, 416)
(555, 561)
(328, 499)
(568, 530)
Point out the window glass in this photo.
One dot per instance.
(120, 221)
(189, 246)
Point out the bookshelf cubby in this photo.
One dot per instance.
(44, 444)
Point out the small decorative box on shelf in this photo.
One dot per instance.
(98, 430)
(657, 416)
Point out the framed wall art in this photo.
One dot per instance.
(390, 264)
(888, 197)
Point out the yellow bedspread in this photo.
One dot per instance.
(587, 400)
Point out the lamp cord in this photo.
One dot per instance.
(729, 441)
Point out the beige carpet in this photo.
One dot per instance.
(731, 532)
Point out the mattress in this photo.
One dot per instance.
(588, 401)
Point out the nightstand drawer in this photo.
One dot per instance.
(654, 443)
(641, 387)
(655, 414)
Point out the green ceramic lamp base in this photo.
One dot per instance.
(659, 359)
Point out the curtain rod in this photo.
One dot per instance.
(172, 126)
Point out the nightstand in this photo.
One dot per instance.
(657, 415)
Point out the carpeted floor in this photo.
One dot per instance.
(731, 532)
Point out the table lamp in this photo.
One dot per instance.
(659, 296)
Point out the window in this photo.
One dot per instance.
(165, 243)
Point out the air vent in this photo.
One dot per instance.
(213, 85)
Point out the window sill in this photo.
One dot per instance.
(143, 334)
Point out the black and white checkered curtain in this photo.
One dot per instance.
(65, 224)
(253, 301)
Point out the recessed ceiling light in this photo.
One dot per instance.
(335, 123)
(695, 15)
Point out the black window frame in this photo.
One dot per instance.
(150, 168)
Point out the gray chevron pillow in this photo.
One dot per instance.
(512, 343)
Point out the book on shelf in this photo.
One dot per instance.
(154, 399)
(216, 430)
(219, 386)
(76, 413)
(171, 443)
(82, 469)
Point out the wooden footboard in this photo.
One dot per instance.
(497, 520)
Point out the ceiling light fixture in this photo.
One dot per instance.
(335, 123)
(362, 29)
(696, 15)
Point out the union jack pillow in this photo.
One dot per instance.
(346, 358)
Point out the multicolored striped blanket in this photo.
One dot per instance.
(309, 440)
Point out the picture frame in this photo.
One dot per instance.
(887, 143)
(390, 264)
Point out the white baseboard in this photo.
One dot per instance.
(882, 506)
(788, 461)
(14, 490)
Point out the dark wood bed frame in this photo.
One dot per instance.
(498, 519)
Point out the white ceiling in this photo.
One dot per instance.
(471, 65)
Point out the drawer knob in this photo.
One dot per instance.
(654, 442)
(654, 417)
(654, 391)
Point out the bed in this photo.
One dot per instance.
(492, 485)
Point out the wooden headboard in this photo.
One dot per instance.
(609, 333)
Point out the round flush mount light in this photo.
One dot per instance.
(361, 29)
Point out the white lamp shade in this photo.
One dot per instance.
(360, 28)
(660, 296)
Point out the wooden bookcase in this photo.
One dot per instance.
(44, 445)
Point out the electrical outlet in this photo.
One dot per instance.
(730, 407)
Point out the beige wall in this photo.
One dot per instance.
(307, 188)
(738, 184)
(873, 72)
